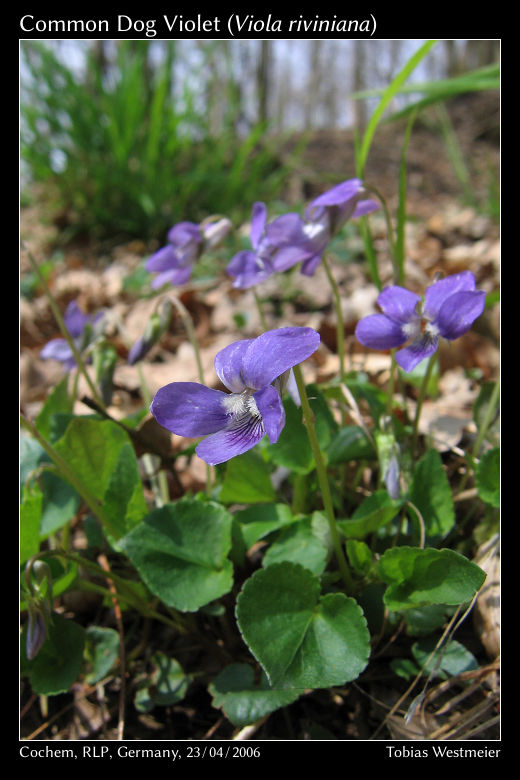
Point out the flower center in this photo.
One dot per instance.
(240, 404)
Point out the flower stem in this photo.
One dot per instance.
(64, 330)
(190, 331)
(323, 481)
(422, 394)
(263, 321)
(340, 328)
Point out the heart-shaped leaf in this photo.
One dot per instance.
(430, 576)
(235, 692)
(180, 551)
(302, 640)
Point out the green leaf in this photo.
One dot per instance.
(244, 702)
(302, 640)
(454, 657)
(247, 481)
(58, 664)
(374, 512)
(166, 685)
(416, 577)
(482, 410)
(350, 443)
(180, 552)
(487, 477)
(30, 516)
(102, 650)
(424, 620)
(292, 450)
(102, 456)
(324, 422)
(298, 544)
(260, 520)
(430, 492)
(60, 503)
(404, 667)
(57, 401)
(359, 555)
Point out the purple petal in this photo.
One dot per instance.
(258, 220)
(175, 276)
(190, 409)
(274, 352)
(365, 207)
(248, 269)
(378, 331)
(398, 303)
(339, 194)
(164, 259)
(184, 233)
(309, 266)
(74, 319)
(271, 408)
(418, 350)
(57, 349)
(458, 313)
(228, 365)
(287, 257)
(439, 291)
(284, 230)
(239, 437)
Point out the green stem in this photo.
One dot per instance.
(158, 482)
(486, 422)
(391, 384)
(93, 502)
(190, 331)
(422, 394)
(323, 481)
(263, 321)
(340, 328)
(389, 227)
(64, 330)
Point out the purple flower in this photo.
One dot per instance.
(276, 247)
(451, 305)
(256, 372)
(327, 214)
(186, 242)
(79, 327)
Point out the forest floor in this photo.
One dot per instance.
(443, 234)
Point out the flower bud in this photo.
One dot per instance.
(214, 231)
(156, 326)
(36, 632)
(105, 359)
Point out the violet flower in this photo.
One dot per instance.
(451, 305)
(327, 214)
(276, 247)
(79, 327)
(186, 243)
(256, 372)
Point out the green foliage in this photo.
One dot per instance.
(302, 640)
(488, 477)
(101, 652)
(243, 702)
(180, 551)
(430, 492)
(167, 684)
(125, 154)
(416, 577)
(58, 663)
(247, 481)
(374, 512)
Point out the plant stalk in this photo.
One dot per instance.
(323, 481)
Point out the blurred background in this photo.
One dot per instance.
(121, 139)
